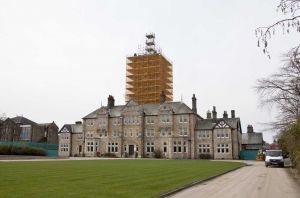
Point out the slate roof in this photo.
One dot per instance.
(148, 109)
(23, 120)
(73, 128)
(208, 124)
(252, 138)
(47, 124)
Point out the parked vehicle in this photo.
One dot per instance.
(274, 157)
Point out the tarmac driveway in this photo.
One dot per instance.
(253, 181)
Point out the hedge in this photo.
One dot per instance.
(21, 150)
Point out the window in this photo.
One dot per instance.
(150, 132)
(90, 146)
(25, 132)
(116, 121)
(183, 118)
(115, 133)
(89, 134)
(204, 134)
(204, 148)
(150, 120)
(183, 131)
(150, 147)
(175, 147)
(165, 147)
(222, 133)
(113, 147)
(165, 118)
(89, 122)
(131, 133)
(184, 147)
(179, 147)
(162, 132)
(64, 147)
(223, 148)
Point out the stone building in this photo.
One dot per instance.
(9, 131)
(252, 140)
(170, 128)
(71, 140)
(218, 138)
(22, 129)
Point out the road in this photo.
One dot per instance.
(252, 181)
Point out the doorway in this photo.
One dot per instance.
(131, 150)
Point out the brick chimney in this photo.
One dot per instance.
(225, 115)
(110, 102)
(250, 129)
(78, 122)
(214, 112)
(208, 114)
(194, 104)
(162, 97)
(232, 113)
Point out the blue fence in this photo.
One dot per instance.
(248, 154)
(52, 149)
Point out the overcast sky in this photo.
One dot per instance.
(60, 59)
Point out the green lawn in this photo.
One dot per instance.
(103, 178)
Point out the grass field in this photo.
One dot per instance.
(103, 178)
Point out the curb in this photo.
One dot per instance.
(196, 183)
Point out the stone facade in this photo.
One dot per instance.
(71, 140)
(218, 138)
(22, 129)
(50, 133)
(9, 131)
(170, 128)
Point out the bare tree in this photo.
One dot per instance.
(3, 116)
(282, 89)
(290, 8)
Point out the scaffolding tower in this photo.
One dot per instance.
(148, 74)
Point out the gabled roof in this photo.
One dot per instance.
(23, 120)
(7, 120)
(71, 128)
(209, 124)
(148, 109)
(252, 138)
(47, 124)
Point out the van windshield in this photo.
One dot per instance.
(274, 153)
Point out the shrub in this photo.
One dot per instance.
(158, 154)
(109, 155)
(205, 156)
(21, 150)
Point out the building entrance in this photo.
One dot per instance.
(131, 150)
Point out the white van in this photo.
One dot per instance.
(274, 157)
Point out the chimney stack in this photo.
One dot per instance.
(214, 112)
(250, 129)
(78, 122)
(208, 114)
(194, 104)
(110, 102)
(162, 97)
(232, 113)
(225, 115)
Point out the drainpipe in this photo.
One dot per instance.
(143, 135)
(122, 136)
(231, 137)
